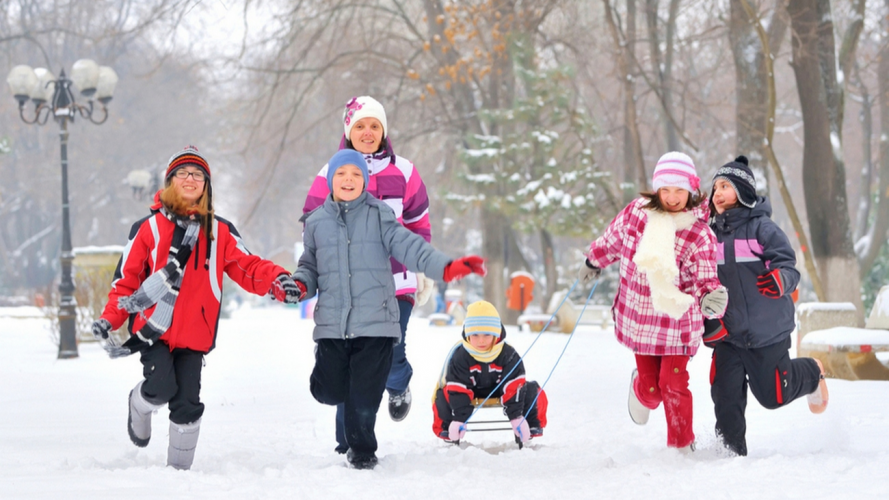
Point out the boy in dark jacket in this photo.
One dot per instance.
(348, 242)
(752, 340)
(481, 366)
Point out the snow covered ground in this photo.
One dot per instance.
(63, 435)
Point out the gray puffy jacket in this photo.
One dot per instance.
(346, 261)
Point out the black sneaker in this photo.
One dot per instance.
(341, 449)
(536, 432)
(400, 405)
(361, 462)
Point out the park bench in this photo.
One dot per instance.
(566, 317)
(828, 332)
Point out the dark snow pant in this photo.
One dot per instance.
(442, 415)
(399, 374)
(174, 378)
(353, 373)
(774, 379)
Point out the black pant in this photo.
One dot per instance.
(774, 379)
(400, 373)
(354, 372)
(174, 378)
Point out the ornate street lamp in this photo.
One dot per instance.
(53, 97)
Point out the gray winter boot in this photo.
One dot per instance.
(183, 441)
(139, 417)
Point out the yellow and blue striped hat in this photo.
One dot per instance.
(482, 319)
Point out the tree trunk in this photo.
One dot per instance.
(752, 88)
(877, 234)
(635, 178)
(494, 250)
(663, 68)
(865, 203)
(824, 177)
(548, 250)
(497, 234)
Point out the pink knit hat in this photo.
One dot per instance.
(676, 170)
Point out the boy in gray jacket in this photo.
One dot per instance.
(348, 242)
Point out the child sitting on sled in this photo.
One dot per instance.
(483, 365)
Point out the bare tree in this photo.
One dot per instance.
(751, 80)
(824, 177)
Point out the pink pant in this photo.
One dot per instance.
(665, 379)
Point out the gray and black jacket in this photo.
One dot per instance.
(750, 244)
(346, 261)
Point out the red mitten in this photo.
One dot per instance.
(463, 267)
(285, 289)
(771, 284)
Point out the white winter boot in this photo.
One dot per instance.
(139, 417)
(638, 412)
(183, 441)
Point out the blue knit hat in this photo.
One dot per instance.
(345, 157)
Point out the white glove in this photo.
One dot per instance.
(714, 303)
(425, 287)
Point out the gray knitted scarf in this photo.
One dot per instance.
(162, 287)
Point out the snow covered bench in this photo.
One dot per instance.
(536, 322)
(850, 353)
(567, 316)
(847, 352)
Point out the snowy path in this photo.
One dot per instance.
(63, 436)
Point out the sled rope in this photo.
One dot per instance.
(505, 377)
(525, 416)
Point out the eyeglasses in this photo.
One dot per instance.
(198, 176)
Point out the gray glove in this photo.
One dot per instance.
(101, 328)
(714, 303)
(588, 272)
(116, 351)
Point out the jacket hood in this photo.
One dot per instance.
(157, 200)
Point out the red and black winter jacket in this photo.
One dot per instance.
(196, 313)
(469, 378)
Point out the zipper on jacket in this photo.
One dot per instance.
(196, 252)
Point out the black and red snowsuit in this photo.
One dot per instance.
(466, 378)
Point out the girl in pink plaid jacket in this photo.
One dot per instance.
(663, 297)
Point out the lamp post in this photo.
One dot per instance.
(53, 97)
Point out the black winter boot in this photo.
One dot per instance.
(361, 462)
(400, 405)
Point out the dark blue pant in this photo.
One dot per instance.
(174, 378)
(399, 374)
(353, 373)
(774, 379)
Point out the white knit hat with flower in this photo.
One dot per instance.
(363, 107)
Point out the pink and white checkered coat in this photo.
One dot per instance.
(636, 324)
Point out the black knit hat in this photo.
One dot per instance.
(739, 175)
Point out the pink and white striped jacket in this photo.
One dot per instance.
(636, 324)
(395, 181)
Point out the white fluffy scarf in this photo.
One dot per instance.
(659, 265)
